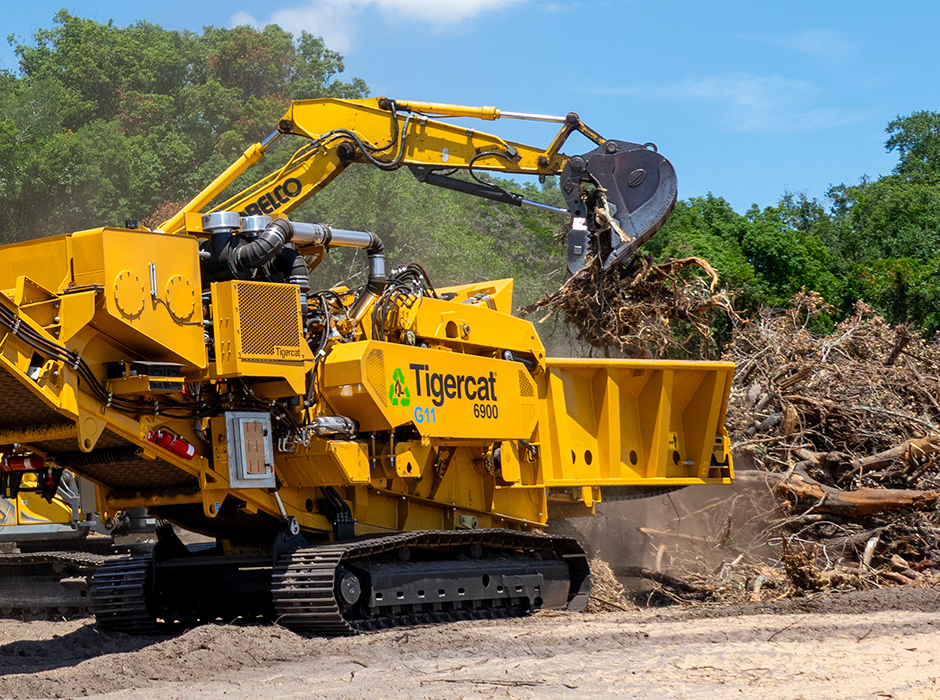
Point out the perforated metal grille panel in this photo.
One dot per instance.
(375, 374)
(529, 416)
(269, 320)
(525, 385)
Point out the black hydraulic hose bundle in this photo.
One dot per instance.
(367, 150)
(37, 342)
(406, 287)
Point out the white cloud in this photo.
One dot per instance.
(337, 20)
(241, 18)
(332, 20)
(826, 44)
(753, 103)
(438, 11)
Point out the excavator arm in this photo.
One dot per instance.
(620, 193)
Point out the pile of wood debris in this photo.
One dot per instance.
(641, 309)
(844, 427)
(607, 594)
(840, 432)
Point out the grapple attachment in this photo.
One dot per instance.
(620, 194)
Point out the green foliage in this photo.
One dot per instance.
(764, 257)
(891, 217)
(878, 240)
(707, 227)
(103, 123)
(787, 253)
(902, 289)
(916, 138)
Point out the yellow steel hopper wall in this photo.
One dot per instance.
(621, 422)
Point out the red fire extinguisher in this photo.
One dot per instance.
(172, 442)
(22, 463)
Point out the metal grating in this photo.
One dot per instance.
(375, 374)
(526, 390)
(529, 416)
(269, 318)
(21, 409)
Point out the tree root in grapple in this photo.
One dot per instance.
(641, 309)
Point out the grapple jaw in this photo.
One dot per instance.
(620, 194)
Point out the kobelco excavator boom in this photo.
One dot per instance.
(635, 186)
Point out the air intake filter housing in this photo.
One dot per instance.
(258, 331)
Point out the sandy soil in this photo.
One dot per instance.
(876, 644)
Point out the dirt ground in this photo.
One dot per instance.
(870, 644)
(878, 643)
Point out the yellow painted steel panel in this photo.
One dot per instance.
(446, 395)
(634, 422)
(144, 276)
(20, 258)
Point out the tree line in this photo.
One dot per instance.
(101, 123)
(877, 240)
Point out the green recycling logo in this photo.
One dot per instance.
(398, 393)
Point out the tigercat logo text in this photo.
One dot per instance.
(288, 353)
(439, 387)
(275, 199)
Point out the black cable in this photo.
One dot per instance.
(367, 149)
(368, 146)
(488, 185)
(74, 360)
(406, 286)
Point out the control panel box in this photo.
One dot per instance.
(245, 442)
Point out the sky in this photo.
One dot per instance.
(749, 100)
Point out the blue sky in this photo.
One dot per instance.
(748, 99)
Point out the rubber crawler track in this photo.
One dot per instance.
(304, 581)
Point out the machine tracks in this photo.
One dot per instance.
(374, 583)
(31, 584)
(119, 593)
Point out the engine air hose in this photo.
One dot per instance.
(289, 266)
(263, 249)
